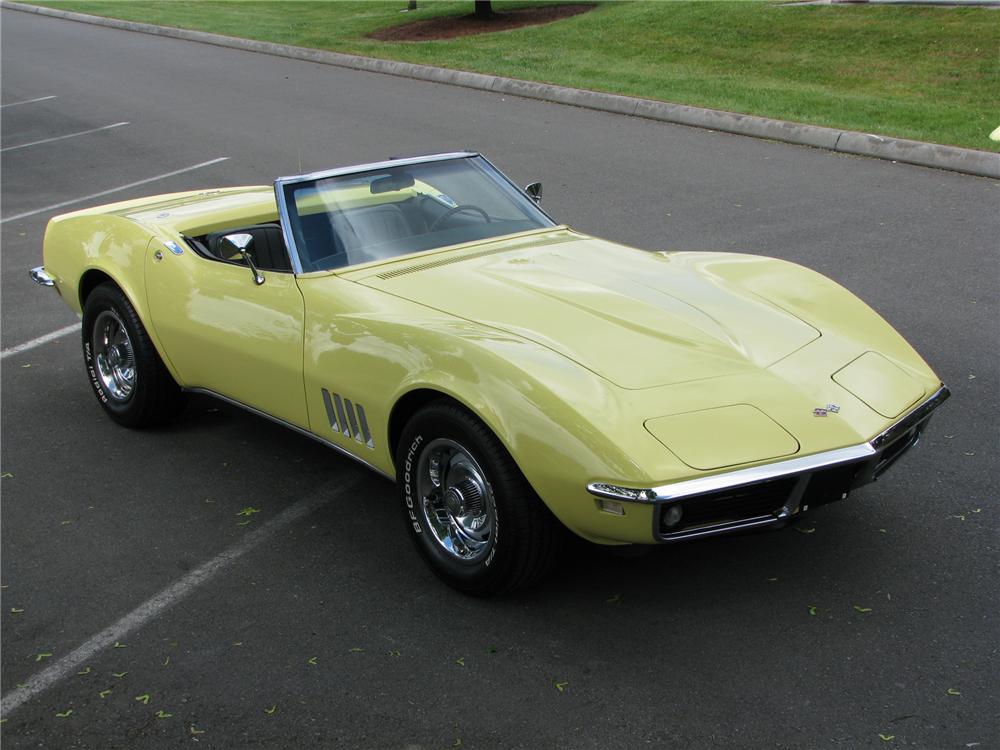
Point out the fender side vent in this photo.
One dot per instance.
(347, 418)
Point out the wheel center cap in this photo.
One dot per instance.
(454, 501)
(114, 356)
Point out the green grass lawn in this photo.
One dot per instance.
(931, 74)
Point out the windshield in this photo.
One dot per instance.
(360, 217)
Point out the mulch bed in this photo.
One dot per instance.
(448, 27)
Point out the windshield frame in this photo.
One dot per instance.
(283, 186)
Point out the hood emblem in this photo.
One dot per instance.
(821, 411)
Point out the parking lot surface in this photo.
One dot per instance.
(145, 606)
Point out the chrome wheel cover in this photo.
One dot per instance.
(114, 358)
(456, 500)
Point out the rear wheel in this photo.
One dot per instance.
(470, 512)
(125, 371)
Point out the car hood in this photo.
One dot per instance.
(636, 318)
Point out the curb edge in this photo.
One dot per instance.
(937, 156)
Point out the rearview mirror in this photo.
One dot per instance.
(392, 182)
(534, 191)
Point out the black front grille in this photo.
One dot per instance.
(897, 448)
(827, 485)
(731, 504)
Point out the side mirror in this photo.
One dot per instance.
(241, 241)
(534, 191)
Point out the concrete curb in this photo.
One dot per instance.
(953, 158)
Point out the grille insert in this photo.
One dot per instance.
(760, 503)
(732, 505)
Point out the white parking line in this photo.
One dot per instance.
(27, 101)
(40, 340)
(54, 206)
(162, 601)
(63, 137)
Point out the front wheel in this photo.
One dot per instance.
(125, 371)
(470, 512)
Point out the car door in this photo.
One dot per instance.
(224, 333)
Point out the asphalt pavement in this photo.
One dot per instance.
(292, 611)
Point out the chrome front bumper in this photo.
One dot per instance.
(40, 276)
(769, 494)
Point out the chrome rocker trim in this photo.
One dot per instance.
(289, 425)
(872, 457)
(40, 276)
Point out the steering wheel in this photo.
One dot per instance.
(466, 207)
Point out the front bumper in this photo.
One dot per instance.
(767, 495)
(40, 276)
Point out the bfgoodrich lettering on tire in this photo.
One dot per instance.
(125, 371)
(470, 512)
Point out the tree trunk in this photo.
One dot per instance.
(484, 9)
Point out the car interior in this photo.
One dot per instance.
(344, 238)
(346, 221)
(267, 249)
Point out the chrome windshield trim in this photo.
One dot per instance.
(755, 474)
(286, 227)
(280, 184)
(284, 216)
(518, 188)
(40, 276)
(373, 166)
(289, 425)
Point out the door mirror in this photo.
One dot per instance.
(242, 241)
(534, 191)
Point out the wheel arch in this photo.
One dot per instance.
(91, 279)
(410, 403)
(94, 276)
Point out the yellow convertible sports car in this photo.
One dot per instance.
(425, 317)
